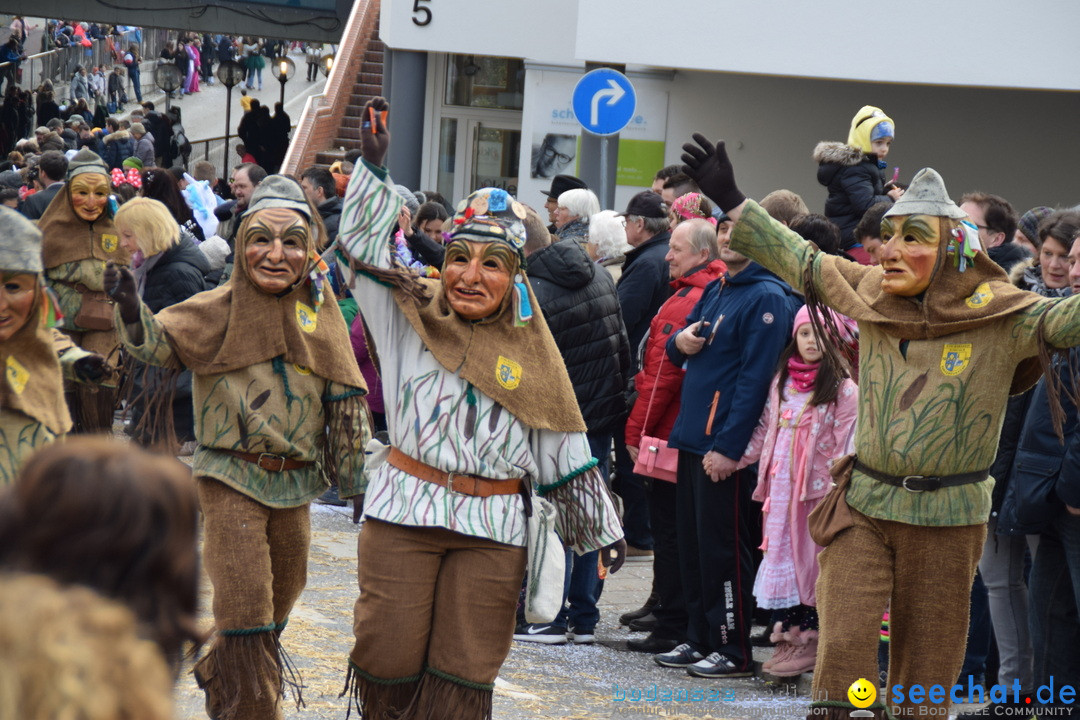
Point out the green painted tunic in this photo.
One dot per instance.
(926, 407)
(270, 407)
(90, 272)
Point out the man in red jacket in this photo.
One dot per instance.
(693, 258)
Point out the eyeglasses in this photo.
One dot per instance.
(552, 153)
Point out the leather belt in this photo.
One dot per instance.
(457, 483)
(923, 483)
(269, 461)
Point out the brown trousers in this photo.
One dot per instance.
(256, 558)
(434, 620)
(923, 576)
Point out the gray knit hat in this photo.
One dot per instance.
(20, 243)
(278, 191)
(86, 161)
(926, 196)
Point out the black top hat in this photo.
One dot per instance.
(562, 183)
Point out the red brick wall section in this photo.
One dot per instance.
(323, 117)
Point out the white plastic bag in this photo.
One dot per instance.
(546, 565)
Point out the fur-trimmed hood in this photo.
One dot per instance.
(830, 151)
(1016, 273)
(119, 135)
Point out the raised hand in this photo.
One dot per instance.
(374, 134)
(121, 287)
(708, 164)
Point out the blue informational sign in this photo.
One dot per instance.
(604, 101)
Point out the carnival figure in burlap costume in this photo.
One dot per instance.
(944, 338)
(36, 358)
(78, 240)
(279, 412)
(480, 411)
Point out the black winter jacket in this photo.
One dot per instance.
(643, 287)
(330, 212)
(854, 182)
(579, 302)
(178, 275)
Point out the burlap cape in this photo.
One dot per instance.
(29, 359)
(237, 325)
(67, 238)
(953, 302)
(518, 367)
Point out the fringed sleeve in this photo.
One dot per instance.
(587, 518)
(348, 431)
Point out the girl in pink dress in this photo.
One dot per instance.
(808, 422)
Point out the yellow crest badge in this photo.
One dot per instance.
(981, 297)
(306, 317)
(302, 369)
(17, 375)
(109, 243)
(508, 373)
(954, 358)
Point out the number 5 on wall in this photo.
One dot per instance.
(421, 13)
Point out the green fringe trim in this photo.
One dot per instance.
(381, 681)
(241, 632)
(459, 681)
(344, 396)
(543, 490)
(281, 625)
(470, 396)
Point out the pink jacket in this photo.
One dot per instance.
(830, 433)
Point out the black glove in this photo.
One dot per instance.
(374, 135)
(711, 169)
(613, 556)
(120, 284)
(91, 369)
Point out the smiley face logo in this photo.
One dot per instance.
(862, 693)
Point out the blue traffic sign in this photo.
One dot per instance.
(604, 101)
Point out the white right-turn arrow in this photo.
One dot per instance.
(613, 93)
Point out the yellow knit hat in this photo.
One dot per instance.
(863, 124)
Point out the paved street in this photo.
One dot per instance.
(536, 682)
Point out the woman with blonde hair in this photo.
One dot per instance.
(168, 268)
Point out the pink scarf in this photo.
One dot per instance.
(802, 374)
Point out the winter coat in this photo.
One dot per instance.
(330, 212)
(727, 382)
(1044, 472)
(119, 146)
(144, 150)
(1008, 254)
(829, 435)
(581, 307)
(176, 276)
(659, 381)
(643, 287)
(854, 182)
(79, 87)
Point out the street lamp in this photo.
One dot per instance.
(230, 73)
(283, 70)
(168, 77)
(326, 64)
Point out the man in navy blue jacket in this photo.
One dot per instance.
(730, 347)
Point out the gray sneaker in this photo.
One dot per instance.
(682, 656)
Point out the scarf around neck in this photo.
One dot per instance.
(802, 374)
